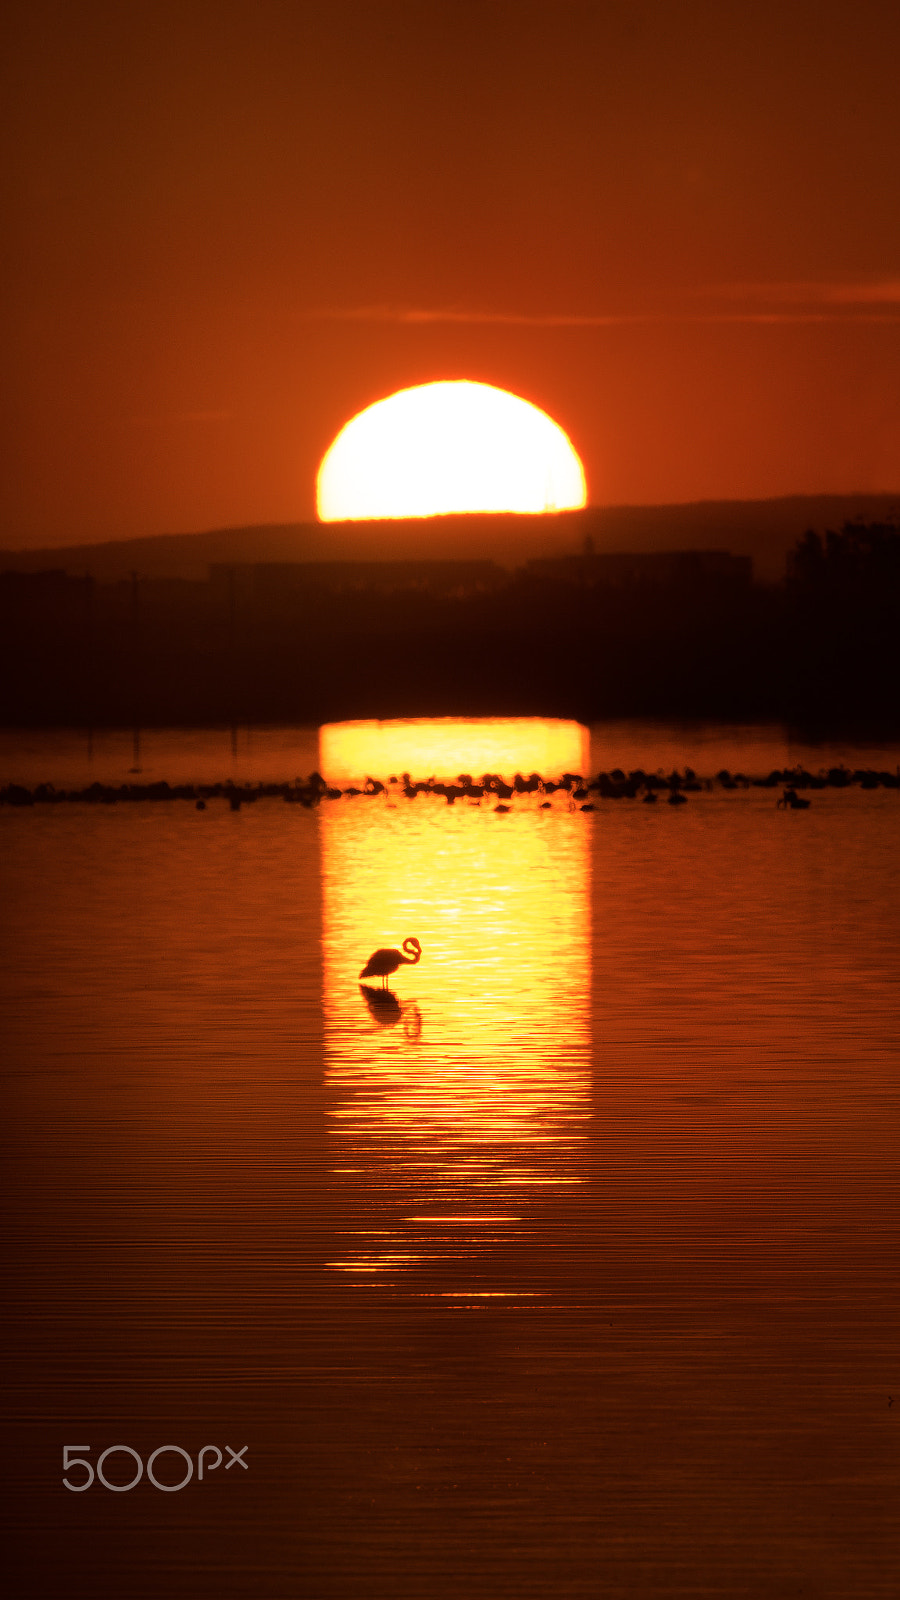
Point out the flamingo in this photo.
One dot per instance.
(384, 962)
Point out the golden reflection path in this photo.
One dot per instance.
(458, 1103)
(444, 747)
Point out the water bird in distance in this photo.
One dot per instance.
(384, 962)
(792, 801)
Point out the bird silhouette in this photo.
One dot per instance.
(791, 801)
(384, 962)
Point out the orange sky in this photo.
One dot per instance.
(673, 224)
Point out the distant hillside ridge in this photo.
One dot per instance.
(762, 529)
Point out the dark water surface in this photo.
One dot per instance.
(570, 1270)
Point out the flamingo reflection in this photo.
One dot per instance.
(412, 1021)
(384, 1007)
(386, 1010)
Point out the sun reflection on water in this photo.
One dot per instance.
(461, 1097)
(443, 747)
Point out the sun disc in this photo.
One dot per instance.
(441, 448)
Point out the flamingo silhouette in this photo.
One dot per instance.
(384, 962)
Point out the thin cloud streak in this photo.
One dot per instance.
(419, 317)
(416, 316)
(884, 292)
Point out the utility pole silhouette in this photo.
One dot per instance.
(232, 662)
(135, 674)
(90, 663)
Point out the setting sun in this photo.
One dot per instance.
(449, 447)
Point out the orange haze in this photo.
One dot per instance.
(230, 229)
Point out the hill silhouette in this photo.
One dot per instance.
(764, 529)
(591, 635)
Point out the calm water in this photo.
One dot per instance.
(568, 1269)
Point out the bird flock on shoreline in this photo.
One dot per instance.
(572, 790)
